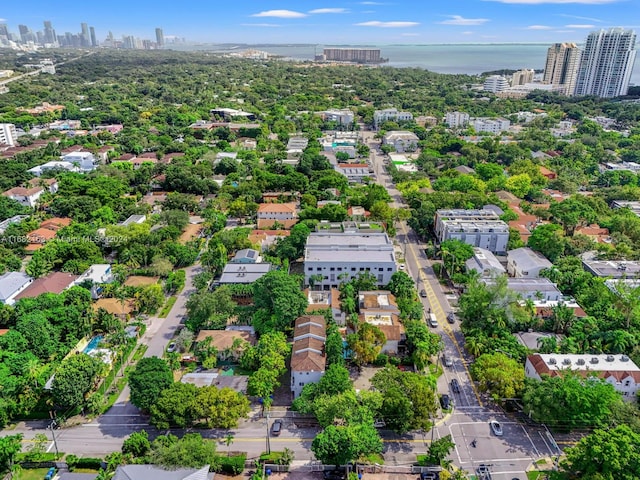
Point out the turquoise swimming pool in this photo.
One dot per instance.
(93, 344)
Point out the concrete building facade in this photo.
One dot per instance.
(561, 67)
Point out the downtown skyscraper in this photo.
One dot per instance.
(561, 68)
(606, 63)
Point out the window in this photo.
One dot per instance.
(381, 269)
(389, 269)
(319, 269)
(339, 269)
(627, 383)
(353, 269)
(332, 269)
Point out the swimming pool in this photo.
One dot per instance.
(93, 344)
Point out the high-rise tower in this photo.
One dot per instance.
(561, 69)
(606, 63)
(159, 37)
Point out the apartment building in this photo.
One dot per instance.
(308, 357)
(457, 119)
(478, 228)
(561, 68)
(390, 114)
(339, 252)
(8, 134)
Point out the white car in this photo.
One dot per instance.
(171, 348)
(402, 266)
(496, 428)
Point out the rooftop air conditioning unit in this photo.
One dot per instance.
(580, 361)
(566, 361)
(624, 358)
(610, 358)
(552, 361)
(594, 360)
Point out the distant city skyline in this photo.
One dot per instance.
(354, 22)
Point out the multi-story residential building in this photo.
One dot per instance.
(8, 134)
(390, 114)
(485, 263)
(524, 262)
(336, 253)
(84, 160)
(271, 213)
(456, 119)
(631, 205)
(521, 77)
(490, 125)
(25, 196)
(620, 269)
(617, 370)
(358, 55)
(390, 325)
(495, 84)
(606, 63)
(478, 228)
(308, 358)
(355, 172)
(402, 140)
(341, 117)
(561, 68)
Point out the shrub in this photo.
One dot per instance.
(381, 360)
(88, 462)
(233, 465)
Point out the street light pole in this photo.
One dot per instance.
(52, 425)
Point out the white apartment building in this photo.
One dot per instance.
(390, 114)
(607, 63)
(342, 117)
(495, 84)
(355, 172)
(340, 252)
(617, 370)
(8, 134)
(457, 119)
(533, 289)
(402, 140)
(490, 125)
(524, 262)
(478, 228)
(84, 160)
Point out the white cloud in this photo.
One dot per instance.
(280, 14)
(459, 20)
(538, 27)
(377, 23)
(329, 10)
(371, 3)
(537, 2)
(577, 17)
(266, 25)
(579, 26)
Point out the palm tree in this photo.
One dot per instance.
(228, 440)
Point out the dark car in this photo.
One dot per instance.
(276, 427)
(333, 475)
(451, 318)
(455, 386)
(429, 476)
(445, 401)
(423, 293)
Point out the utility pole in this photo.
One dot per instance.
(268, 441)
(52, 426)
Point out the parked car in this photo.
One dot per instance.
(172, 347)
(429, 476)
(447, 360)
(451, 317)
(496, 428)
(402, 266)
(455, 386)
(445, 401)
(276, 428)
(379, 424)
(423, 293)
(50, 473)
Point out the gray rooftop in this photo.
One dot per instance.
(11, 282)
(484, 260)
(613, 269)
(244, 272)
(527, 259)
(365, 247)
(77, 476)
(153, 472)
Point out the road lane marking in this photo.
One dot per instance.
(431, 293)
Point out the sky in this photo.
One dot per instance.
(333, 22)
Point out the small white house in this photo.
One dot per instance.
(98, 274)
(526, 263)
(11, 285)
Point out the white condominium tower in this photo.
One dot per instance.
(561, 69)
(607, 63)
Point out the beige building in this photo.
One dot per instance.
(561, 69)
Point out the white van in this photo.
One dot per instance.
(433, 321)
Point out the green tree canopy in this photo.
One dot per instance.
(151, 376)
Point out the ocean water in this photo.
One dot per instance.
(471, 59)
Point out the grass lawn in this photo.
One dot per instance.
(167, 307)
(32, 474)
(535, 475)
